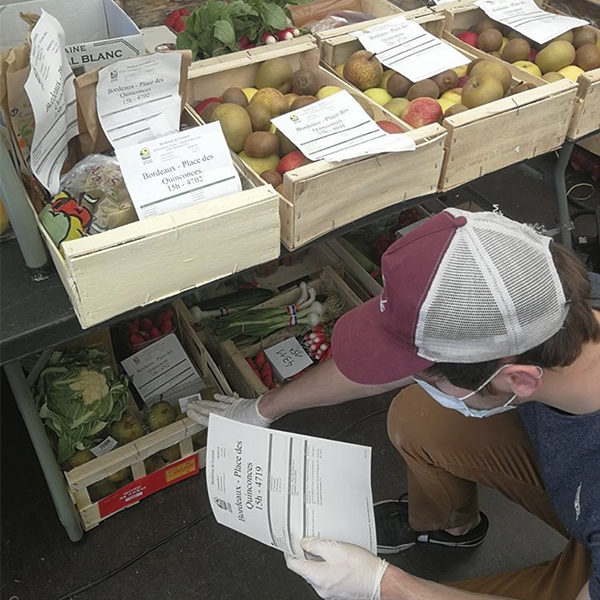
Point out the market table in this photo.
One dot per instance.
(35, 314)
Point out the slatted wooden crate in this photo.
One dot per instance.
(133, 454)
(495, 135)
(585, 117)
(320, 197)
(145, 261)
(232, 359)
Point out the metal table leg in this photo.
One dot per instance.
(54, 477)
(560, 189)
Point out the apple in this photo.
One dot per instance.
(204, 103)
(454, 95)
(462, 80)
(249, 91)
(571, 72)
(378, 95)
(528, 66)
(532, 54)
(481, 89)
(469, 37)
(422, 111)
(390, 127)
(339, 69)
(461, 71)
(446, 104)
(290, 98)
(504, 42)
(327, 90)
(396, 106)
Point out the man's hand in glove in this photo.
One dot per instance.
(239, 409)
(347, 572)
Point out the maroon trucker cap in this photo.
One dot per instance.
(375, 342)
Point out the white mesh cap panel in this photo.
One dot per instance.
(496, 293)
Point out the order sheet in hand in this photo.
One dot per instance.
(278, 487)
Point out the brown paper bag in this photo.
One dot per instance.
(91, 136)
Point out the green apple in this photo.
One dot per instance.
(528, 66)
(453, 95)
(378, 95)
(327, 90)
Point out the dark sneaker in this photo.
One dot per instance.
(394, 534)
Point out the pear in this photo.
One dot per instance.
(273, 100)
(274, 73)
(160, 415)
(494, 69)
(126, 429)
(555, 56)
(235, 123)
(363, 70)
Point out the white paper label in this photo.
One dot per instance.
(527, 18)
(279, 487)
(161, 369)
(52, 95)
(104, 447)
(91, 55)
(288, 358)
(138, 99)
(407, 48)
(178, 170)
(337, 128)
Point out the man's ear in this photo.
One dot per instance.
(524, 380)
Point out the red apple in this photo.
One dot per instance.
(204, 103)
(462, 81)
(291, 161)
(422, 111)
(469, 37)
(390, 127)
(532, 54)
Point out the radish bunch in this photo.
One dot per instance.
(262, 369)
(316, 343)
(151, 327)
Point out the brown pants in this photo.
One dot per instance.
(447, 455)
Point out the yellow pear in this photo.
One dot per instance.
(571, 72)
(327, 90)
(528, 66)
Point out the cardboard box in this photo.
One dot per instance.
(97, 32)
(494, 135)
(320, 197)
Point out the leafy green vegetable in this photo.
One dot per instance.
(79, 395)
(216, 27)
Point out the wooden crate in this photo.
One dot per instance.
(139, 263)
(134, 453)
(232, 360)
(320, 197)
(495, 135)
(585, 116)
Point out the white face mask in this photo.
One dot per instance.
(458, 404)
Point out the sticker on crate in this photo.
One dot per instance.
(144, 487)
(163, 368)
(288, 358)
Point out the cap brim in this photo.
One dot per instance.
(364, 352)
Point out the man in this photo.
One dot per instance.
(484, 315)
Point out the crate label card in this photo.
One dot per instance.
(52, 95)
(138, 99)
(278, 487)
(529, 19)
(178, 170)
(160, 369)
(337, 128)
(407, 48)
(104, 447)
(288, 358)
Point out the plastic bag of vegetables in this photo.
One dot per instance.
(79, 394)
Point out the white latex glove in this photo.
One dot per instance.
(347, 572)
(239, 409)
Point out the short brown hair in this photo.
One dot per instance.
(562, 349)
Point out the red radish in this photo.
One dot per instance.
(284, 34)
(295, 31)
(136, 339)
(268, 38)
(469, 37)
(166, 327)
(244, 42)
(328, 353)
(146, 324)
(261, 358)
